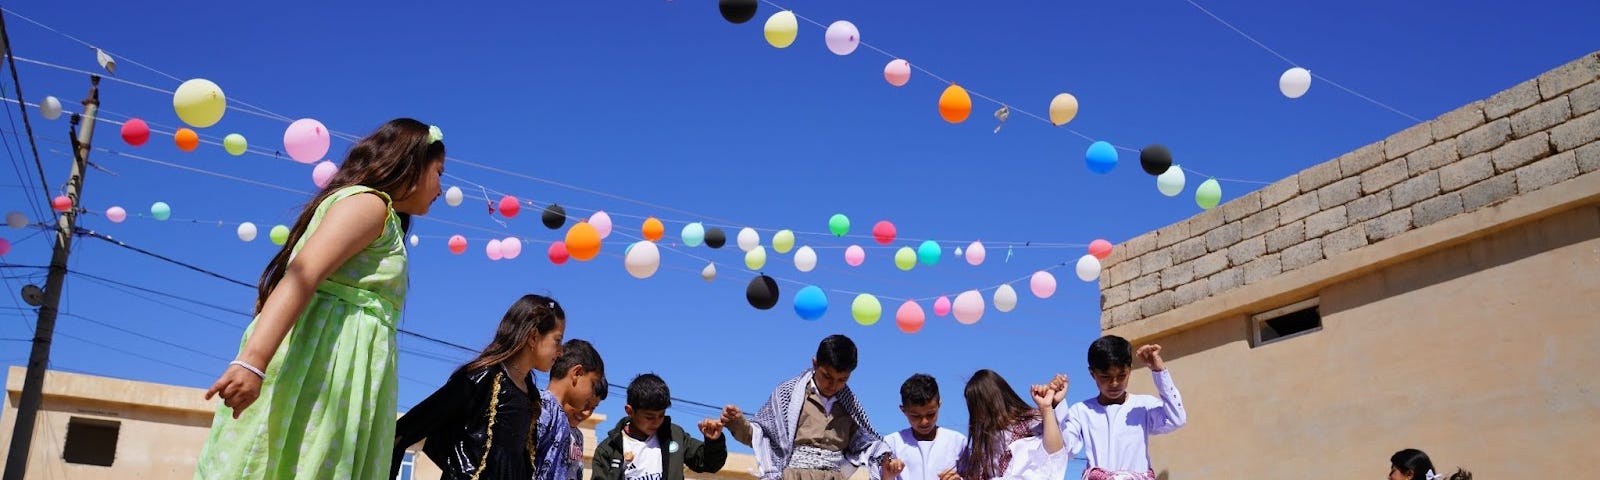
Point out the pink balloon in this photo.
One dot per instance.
(493, 250)
(941, 307)
(5, 246)
(1043, 284)
(306, 140)
(601, 223)
(61, 203)
(1100, 249)
(323, 173)
(975, 253)
(909, 317)
(842, 37)
(458, 244)
(116, 214)
(854, 255)
(558, 253)
(510, 248)
(969, 307)
(897, 72)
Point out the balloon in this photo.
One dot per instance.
(653, 229)
(234, 143)
(805, 259)
(748, 239)
(810, 303)
(866, 309)
(941, 307)
(781, 29)
(602, 223)
(61, 203)
(1294, 82)
(50, 108)
(709, 273)
(783, 241)
(929, 252)
(954, 104)
(509, 206)
(883, 232)
(1101, 157)
(1005, 298)
(19, 219)
(854, 255)
(897, 72)
(558, 253)
(5, 246)
(116, 214)
(1100, 249)
(976, 253)
(135, 132)
(415, 240)
(968, 307)
(1063, 109)
(492, 249)
(842, 37)
(1043, 284)
(1155, 159)
(958, 252)
(762, 292)
(186, 139)
(737, 11)
(511, 247)
(756, 258)
(280, 235)
(199, 103)
(306, 140)
(1208, 194)
(693, 234)
(905, 258)
(1171, 182)
(715, 238)
(643, 259)
(1088, 268)
(160, 210)
(583, 241)
(323, 173)
(909, 317)
(452, 196)
(247, 231)
(839, 224)
(457, 244)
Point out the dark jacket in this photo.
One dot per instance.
(454, 422)
(706, 457)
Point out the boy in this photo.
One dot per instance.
(812, 428)
(633, 449)
(927, 449)
(572, 382)
(1114, 426)
(575, 418)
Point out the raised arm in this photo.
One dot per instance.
(1170, 416)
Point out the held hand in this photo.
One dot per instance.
(949, 474)
(238, 388)
(892, 468)
(1042, 395)
(732, 416)
(711, 429)
(1151, 354)
(1059, 385)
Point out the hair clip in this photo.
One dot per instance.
(1433, 476)
(434, 134)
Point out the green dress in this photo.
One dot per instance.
(327, 406)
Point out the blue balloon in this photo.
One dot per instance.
(1101, 157)
(693, 234)
(810, 303)
(928, 253)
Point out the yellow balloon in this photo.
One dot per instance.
(199, 103)
(235, 144)
(756, 258)
(781, 29)
(1063, 108)
(783, 241)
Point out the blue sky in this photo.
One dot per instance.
(665, 103)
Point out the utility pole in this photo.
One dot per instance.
(39, 361)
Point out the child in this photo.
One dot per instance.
(478, 425)
(927, 449)
(573, 381)
(575, 418)
(320, 353)
(633, 451)
(1011, 440)
(812, 428)
(1412, 464)
(1114, 426)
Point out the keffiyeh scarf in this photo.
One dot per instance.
(779, 419)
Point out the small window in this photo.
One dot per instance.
(1286, 322)
(91, 441)
(407, 465)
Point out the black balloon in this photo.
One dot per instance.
(762, 292)
(554, 216)
(1155, 159)
(737, 11)
(715, 238)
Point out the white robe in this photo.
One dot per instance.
(1117, 437)
(924, 462)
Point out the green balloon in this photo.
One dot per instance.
(279, 235)
(1208, 194)
(905, 258)
(866, 309)
(783, 241)
(160, 210)
(235, 144)
(928, 253)
(839, 224)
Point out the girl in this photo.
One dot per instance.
(320, 353)
(479, 424)
(1007, 438)
(1412, 464)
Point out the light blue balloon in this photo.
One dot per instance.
(1101, 157)
(693, 234)
(928, 253)
(810, 303)
(161, 211)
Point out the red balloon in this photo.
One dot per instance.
(61, 203)
(509, 206)
(135, 132)
(883, 232)
(5, 247)
(558, 253)
(1100, 249)
(458, 244)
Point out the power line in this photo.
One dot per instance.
(16, 82)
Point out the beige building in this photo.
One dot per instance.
(1437, 290)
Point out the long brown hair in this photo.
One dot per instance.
(530, 315)
(993, 409)
(391, 160)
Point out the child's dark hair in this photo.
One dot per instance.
(577, 352)
(602, 387)
(919, 390)
(993, 410)
(528, 316)
(1110, 351)
(649, 392)
(1417, 464)
(837, 352)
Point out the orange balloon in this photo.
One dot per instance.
(653, 229)
(186, 139)
(954, 104)
(583, 241)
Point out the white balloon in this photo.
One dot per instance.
(415, 240)
(17, 219)
(50, 108)
(643, 259)
(1294, 82)
(247, 231)
(709, 273)
(958, 252)
(748, 239)
(452, 197)
(805, 259)
(1170, 183)
(492, 249)
(1088, 268)
(1005, 298)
